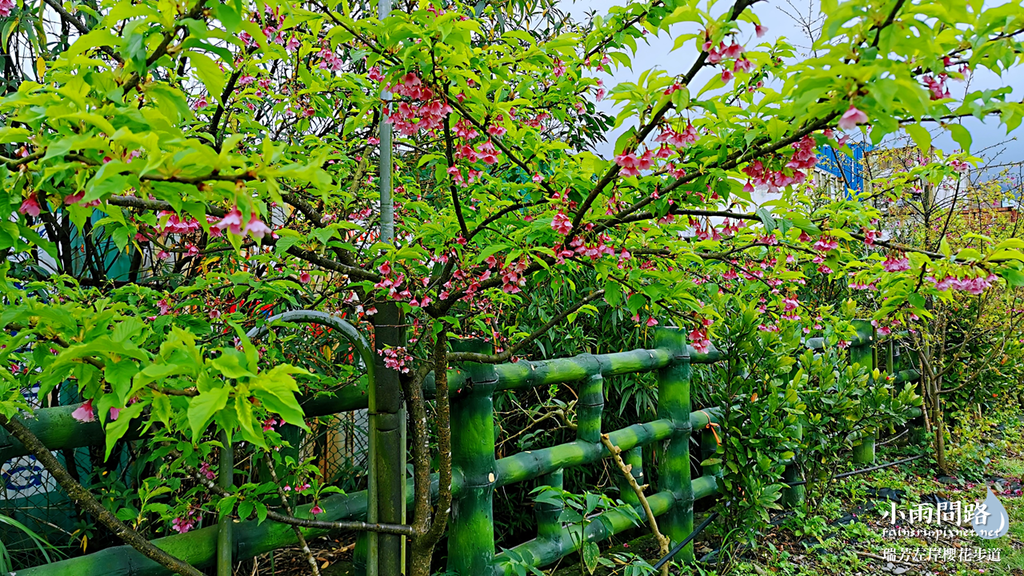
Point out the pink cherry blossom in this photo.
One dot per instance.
(205, 470)
(232, 221)
(257, 228)
(30, 206)
(851, 118)
(559, 68)
(760, 30)
(84, 413)
(893, 264)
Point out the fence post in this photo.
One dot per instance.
(591, 404)
(864, 354)
(547, 513)
(793, 496)
(471, 532)
(226, 480)
(674, 468)
(387, 450)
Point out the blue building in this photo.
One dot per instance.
(843, 172)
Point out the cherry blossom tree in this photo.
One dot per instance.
(176, 168)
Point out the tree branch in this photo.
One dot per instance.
(87, 502)
(496, 358)
(652, 522)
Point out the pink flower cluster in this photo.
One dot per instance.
(273, 30)
(233, 222)
(485, 152)
(632, 164)
(561, 223)
(409, 119)
(6, 6)
(205, 470)
(699, 340)
(396, 358)
(760, 175)
(826, 243)
(512, 278)
(937, 86)
(893, 264)
(686, 137)
(722, 52)
(973, 286)
(464, 129)
(592, 251)
(861, 286)
(804, 157)
(185, 523)
(329, 59)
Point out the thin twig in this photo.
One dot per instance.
(288, 508)
(627, 472)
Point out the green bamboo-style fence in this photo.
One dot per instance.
(471, 540)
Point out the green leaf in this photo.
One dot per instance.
(209, 73)
(767, 219)
(961, 135)
(231, 364)
(116, 429)
(921, 136)
(277, 390)
(203, 407)
(590, 554)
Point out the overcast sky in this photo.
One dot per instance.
(773, 14)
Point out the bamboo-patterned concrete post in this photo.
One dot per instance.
(387, 448)
(591, 402)
(674, 468)
(226, 480)
(548, 513)
(471, 532)
(793, 496)
(864, 354)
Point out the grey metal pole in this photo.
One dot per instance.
(387, 202)
(387, 414)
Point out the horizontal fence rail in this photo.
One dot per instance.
(471, 539)
(57, 429)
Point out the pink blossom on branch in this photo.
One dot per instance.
(30, 206)
(85, 412)
(561, 223)
(851, 118)
(892, 264)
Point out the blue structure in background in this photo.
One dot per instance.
(848, 169)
